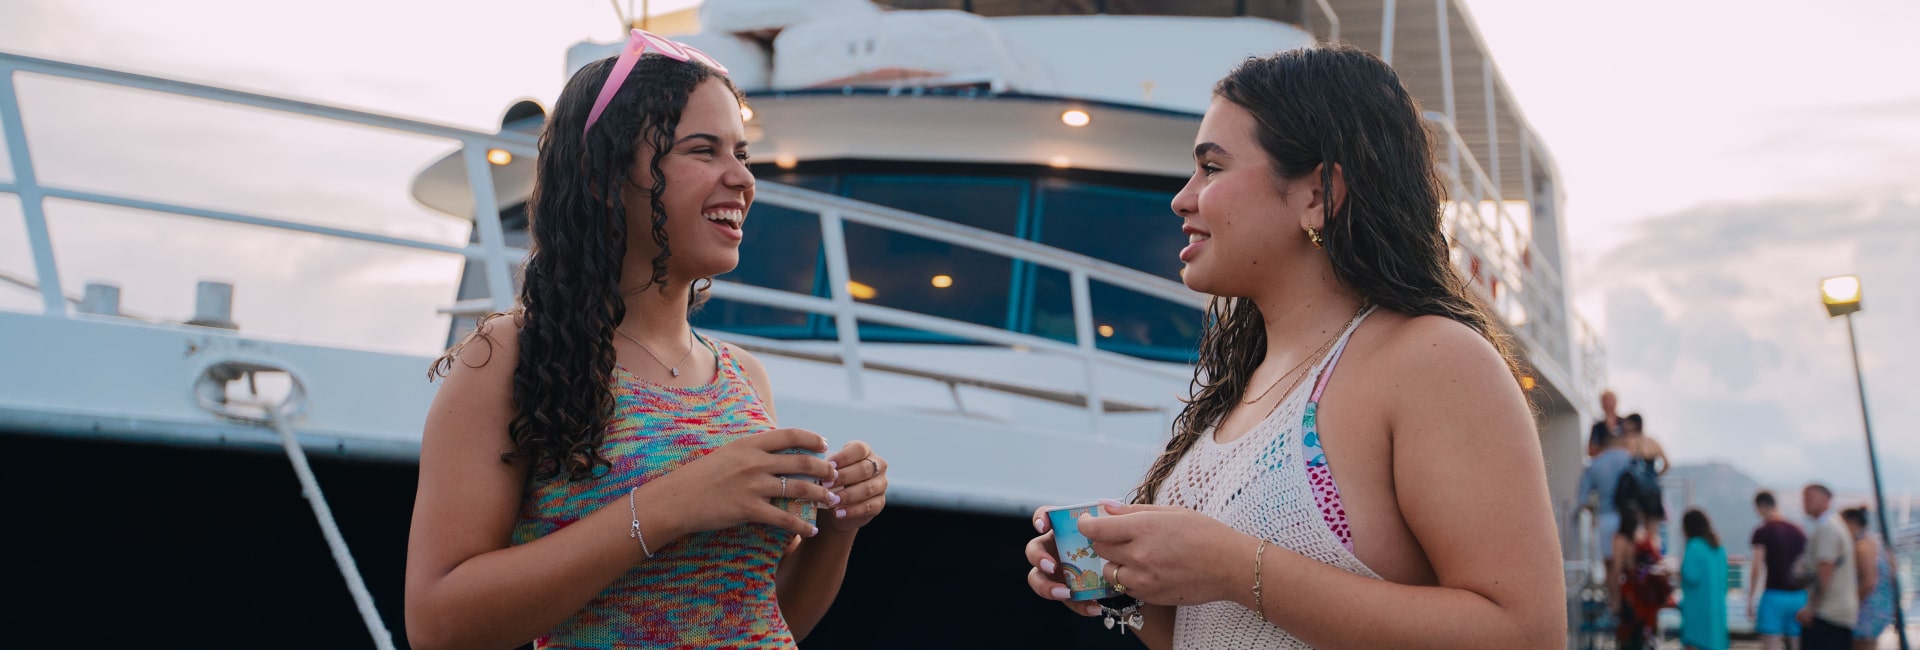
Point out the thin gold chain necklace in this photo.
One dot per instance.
(1309, 359)
(674, 369)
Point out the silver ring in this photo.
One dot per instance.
(876, 465)
(783, 487)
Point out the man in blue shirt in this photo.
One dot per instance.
(1599, 480)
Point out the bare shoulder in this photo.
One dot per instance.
(493, 348)
(1437, 342)
(476, 397)
(1434, 363)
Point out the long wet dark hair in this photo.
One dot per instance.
(1695, 524)
(1320, 107)
(570, 297)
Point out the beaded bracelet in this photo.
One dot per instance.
(635, 533)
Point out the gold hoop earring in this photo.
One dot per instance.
(1314, 236)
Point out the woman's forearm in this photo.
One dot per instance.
(505, 598)
(809, 579)
(1328, 607)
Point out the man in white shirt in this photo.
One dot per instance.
(1833, 601)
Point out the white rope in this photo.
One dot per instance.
(310, 488)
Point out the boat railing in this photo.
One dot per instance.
(497, 258)
(1495, 252)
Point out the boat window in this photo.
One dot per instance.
(1033, 8)
(1133, 228)
(898, 270)
(993, 204)
(1174, 7)
(925, 276)
(781, 252)
(1125, 321)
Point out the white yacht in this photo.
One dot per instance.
(961, 252)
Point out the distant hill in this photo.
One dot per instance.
(1725, 494)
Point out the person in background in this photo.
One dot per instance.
(1597, 483)
(1875, 571)
(1607, 428)
(1645, 586)
(1703, 585)
(1777, 546)
(1833, 600)
(1643, 447)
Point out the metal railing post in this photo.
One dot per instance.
(1493, 122)
(833, 237)
(486, 215)
(1389, 10)
(1446, 82)
(1083, 332)
(32, 199)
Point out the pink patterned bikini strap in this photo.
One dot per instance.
(1320, 385)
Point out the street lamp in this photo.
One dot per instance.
(1842, 297)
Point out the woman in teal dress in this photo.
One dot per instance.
(1703, 585)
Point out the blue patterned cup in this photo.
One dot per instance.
(1083, 572)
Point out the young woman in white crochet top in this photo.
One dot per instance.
(1399, 502)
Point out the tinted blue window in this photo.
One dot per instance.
(1132, 228)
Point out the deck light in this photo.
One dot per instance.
(786, 161)
(860, 291)
(1059, 162)
(746, 113)
(499, 157)
(1075, 117)
(1106, 331)
(942, 281)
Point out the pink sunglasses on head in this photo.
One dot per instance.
(637, 44)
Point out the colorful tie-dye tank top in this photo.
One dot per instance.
(706, 590)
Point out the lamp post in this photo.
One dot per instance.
(1842, 297)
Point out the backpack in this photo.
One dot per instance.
(1638, 488)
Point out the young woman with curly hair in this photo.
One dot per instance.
(593, 473)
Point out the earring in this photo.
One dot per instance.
(1314, 236)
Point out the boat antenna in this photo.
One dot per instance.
(626, 16)
(625, 22)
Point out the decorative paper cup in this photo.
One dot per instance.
(1081, 570)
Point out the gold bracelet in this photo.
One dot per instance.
(1259, 605)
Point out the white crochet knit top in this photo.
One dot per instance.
(1258, 484)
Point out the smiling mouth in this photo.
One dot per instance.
(729, 218)
(1195, 238)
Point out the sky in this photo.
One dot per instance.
(1718, 158)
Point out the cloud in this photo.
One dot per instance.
(1715, 333)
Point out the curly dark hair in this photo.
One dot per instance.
(1319, 107)
(570, 297)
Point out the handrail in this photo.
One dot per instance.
(978, 239)
(516, 142)
(490, 249)
(1561, 342)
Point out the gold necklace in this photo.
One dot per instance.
(1309, 359)
(674, 369)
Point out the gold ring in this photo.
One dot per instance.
(1117, 587)
(876, 465)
